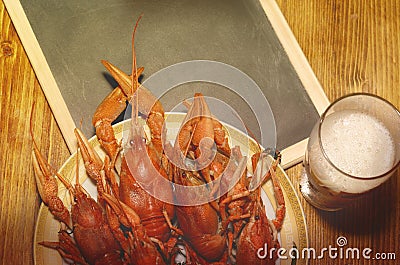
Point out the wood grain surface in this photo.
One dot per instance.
(352, 46)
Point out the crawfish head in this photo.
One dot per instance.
(255, 234)
(149, 208)
(91, 230)
(86, 212)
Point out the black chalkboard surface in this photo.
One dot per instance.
(65, 41)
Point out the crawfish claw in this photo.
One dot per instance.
(93, 163)
(48, 188)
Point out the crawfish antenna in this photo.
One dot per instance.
(77, 167)
(252, 135)
(134, 76)
(31, 125)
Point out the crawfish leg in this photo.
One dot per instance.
(111, 177)
(228, 200)
(168, 220)
(66, 247)
(141, 248)
(281, 209)
(226, 220)
(239, 171)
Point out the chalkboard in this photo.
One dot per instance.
(69, 38)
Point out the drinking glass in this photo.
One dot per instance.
(351, 150)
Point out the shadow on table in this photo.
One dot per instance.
(369, 214)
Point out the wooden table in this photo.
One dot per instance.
(351, 47)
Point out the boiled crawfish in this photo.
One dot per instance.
(200, 224)
(115, 103)
(93, 241)
(151, 211)
(111, 233)
(259, 230)
(202, 138)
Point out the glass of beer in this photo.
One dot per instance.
(353, 148)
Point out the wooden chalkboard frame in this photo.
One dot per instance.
(291, 155)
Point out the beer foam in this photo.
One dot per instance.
(358, 143)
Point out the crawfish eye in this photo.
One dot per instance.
(257, 217)
(132, 142)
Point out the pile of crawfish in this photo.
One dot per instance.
(126, 224)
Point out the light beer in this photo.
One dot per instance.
(352, 149)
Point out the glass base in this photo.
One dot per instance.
(314, 196)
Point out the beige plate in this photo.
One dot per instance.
(294, 226)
